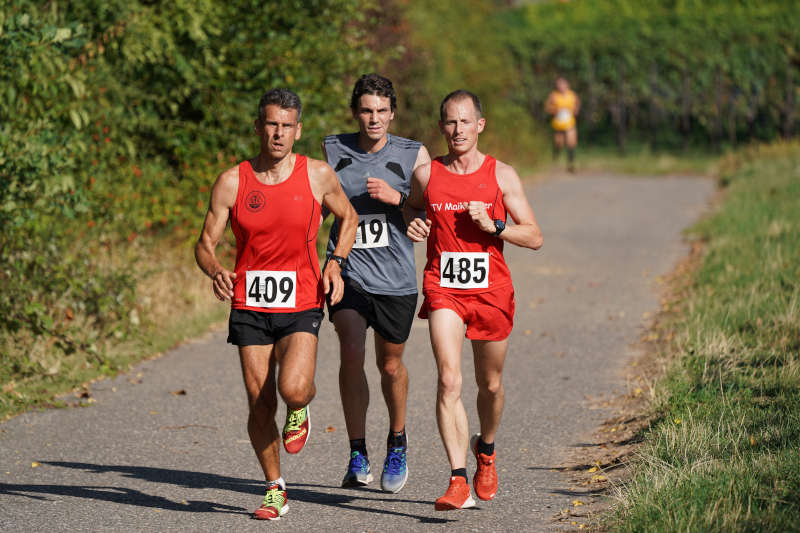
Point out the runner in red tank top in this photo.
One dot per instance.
(466, 195)
(273, 202)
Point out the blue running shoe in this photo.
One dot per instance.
(358, 471)
(395, 470)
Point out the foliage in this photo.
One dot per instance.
(669, 72)
(115, 116)
(724, 456)
(449, 45)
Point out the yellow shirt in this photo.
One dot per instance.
(565, 104)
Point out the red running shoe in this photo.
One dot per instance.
(458, 496)
(485, 479)
(274, 505)
(296, 429)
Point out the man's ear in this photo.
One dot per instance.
(299, 131)
(481, 124)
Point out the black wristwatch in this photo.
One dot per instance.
(499, 226)
(341, 261)
(403, 198)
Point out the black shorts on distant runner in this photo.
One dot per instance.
(253, 328)
(389, 315)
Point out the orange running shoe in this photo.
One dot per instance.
(296, 429)
(274, 505)
(458, 496)
(485, 479)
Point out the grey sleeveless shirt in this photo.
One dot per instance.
(382, 259)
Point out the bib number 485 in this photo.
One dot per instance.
(271, 288)
(464, 270)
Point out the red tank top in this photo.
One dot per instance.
(462, 258)
(277, 270)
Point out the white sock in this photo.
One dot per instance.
(281, 483)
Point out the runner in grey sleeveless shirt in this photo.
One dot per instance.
(375, 171)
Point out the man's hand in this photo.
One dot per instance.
(418, 229)
(380, 190)
(332, 281)
(222, 283)
(479, 215)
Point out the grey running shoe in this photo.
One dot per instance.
(395, 469)
(358, 471)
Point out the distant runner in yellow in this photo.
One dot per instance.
(564, 105)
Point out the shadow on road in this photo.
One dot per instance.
(201, 480)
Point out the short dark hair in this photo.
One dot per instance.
(284, 98)
(461, 94)
(373, 84)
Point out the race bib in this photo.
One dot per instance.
(271, 288)
(464, 270)
(372, 232)
(564, 115)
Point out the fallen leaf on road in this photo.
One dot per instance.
(35, 464)
(330, 429)
(577, 503)
(153, 412)
(593, 469)
(637, 391)
(599, 477)
(527, 332)
(181, 392)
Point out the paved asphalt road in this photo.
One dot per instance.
(144, 459)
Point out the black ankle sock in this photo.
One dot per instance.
(397, 439)
(485, 449)
(459, 472)
(571, 155)
(359, 445)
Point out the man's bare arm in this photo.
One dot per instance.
(328, 191)
(418, 229)
(223, 196)
(526, 232)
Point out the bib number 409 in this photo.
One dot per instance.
(464, 270)
(271, 288)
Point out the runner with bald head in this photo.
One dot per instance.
(467, 285)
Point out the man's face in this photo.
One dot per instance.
(278, 131)
(374, 114)
(562, 85)
(461, 125)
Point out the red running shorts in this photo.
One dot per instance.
(489, 316)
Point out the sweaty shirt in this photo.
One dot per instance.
(277, 270)
(382, 259)
(462, 258)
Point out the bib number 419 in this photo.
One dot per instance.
(464, 270)
(271, 288)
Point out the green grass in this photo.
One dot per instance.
(173, 303)
(724, 453)
(642, 160)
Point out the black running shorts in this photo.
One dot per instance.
(252, 328)
(390, 316)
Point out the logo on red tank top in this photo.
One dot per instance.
(254, 201)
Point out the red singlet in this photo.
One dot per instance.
(277, 270)
(462, 258)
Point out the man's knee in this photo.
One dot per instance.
(449, 384)
(297, 392)
(391, 367)
(490, 386)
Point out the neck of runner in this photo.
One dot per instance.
(272, 171)
(465, 163)
(369, 145)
